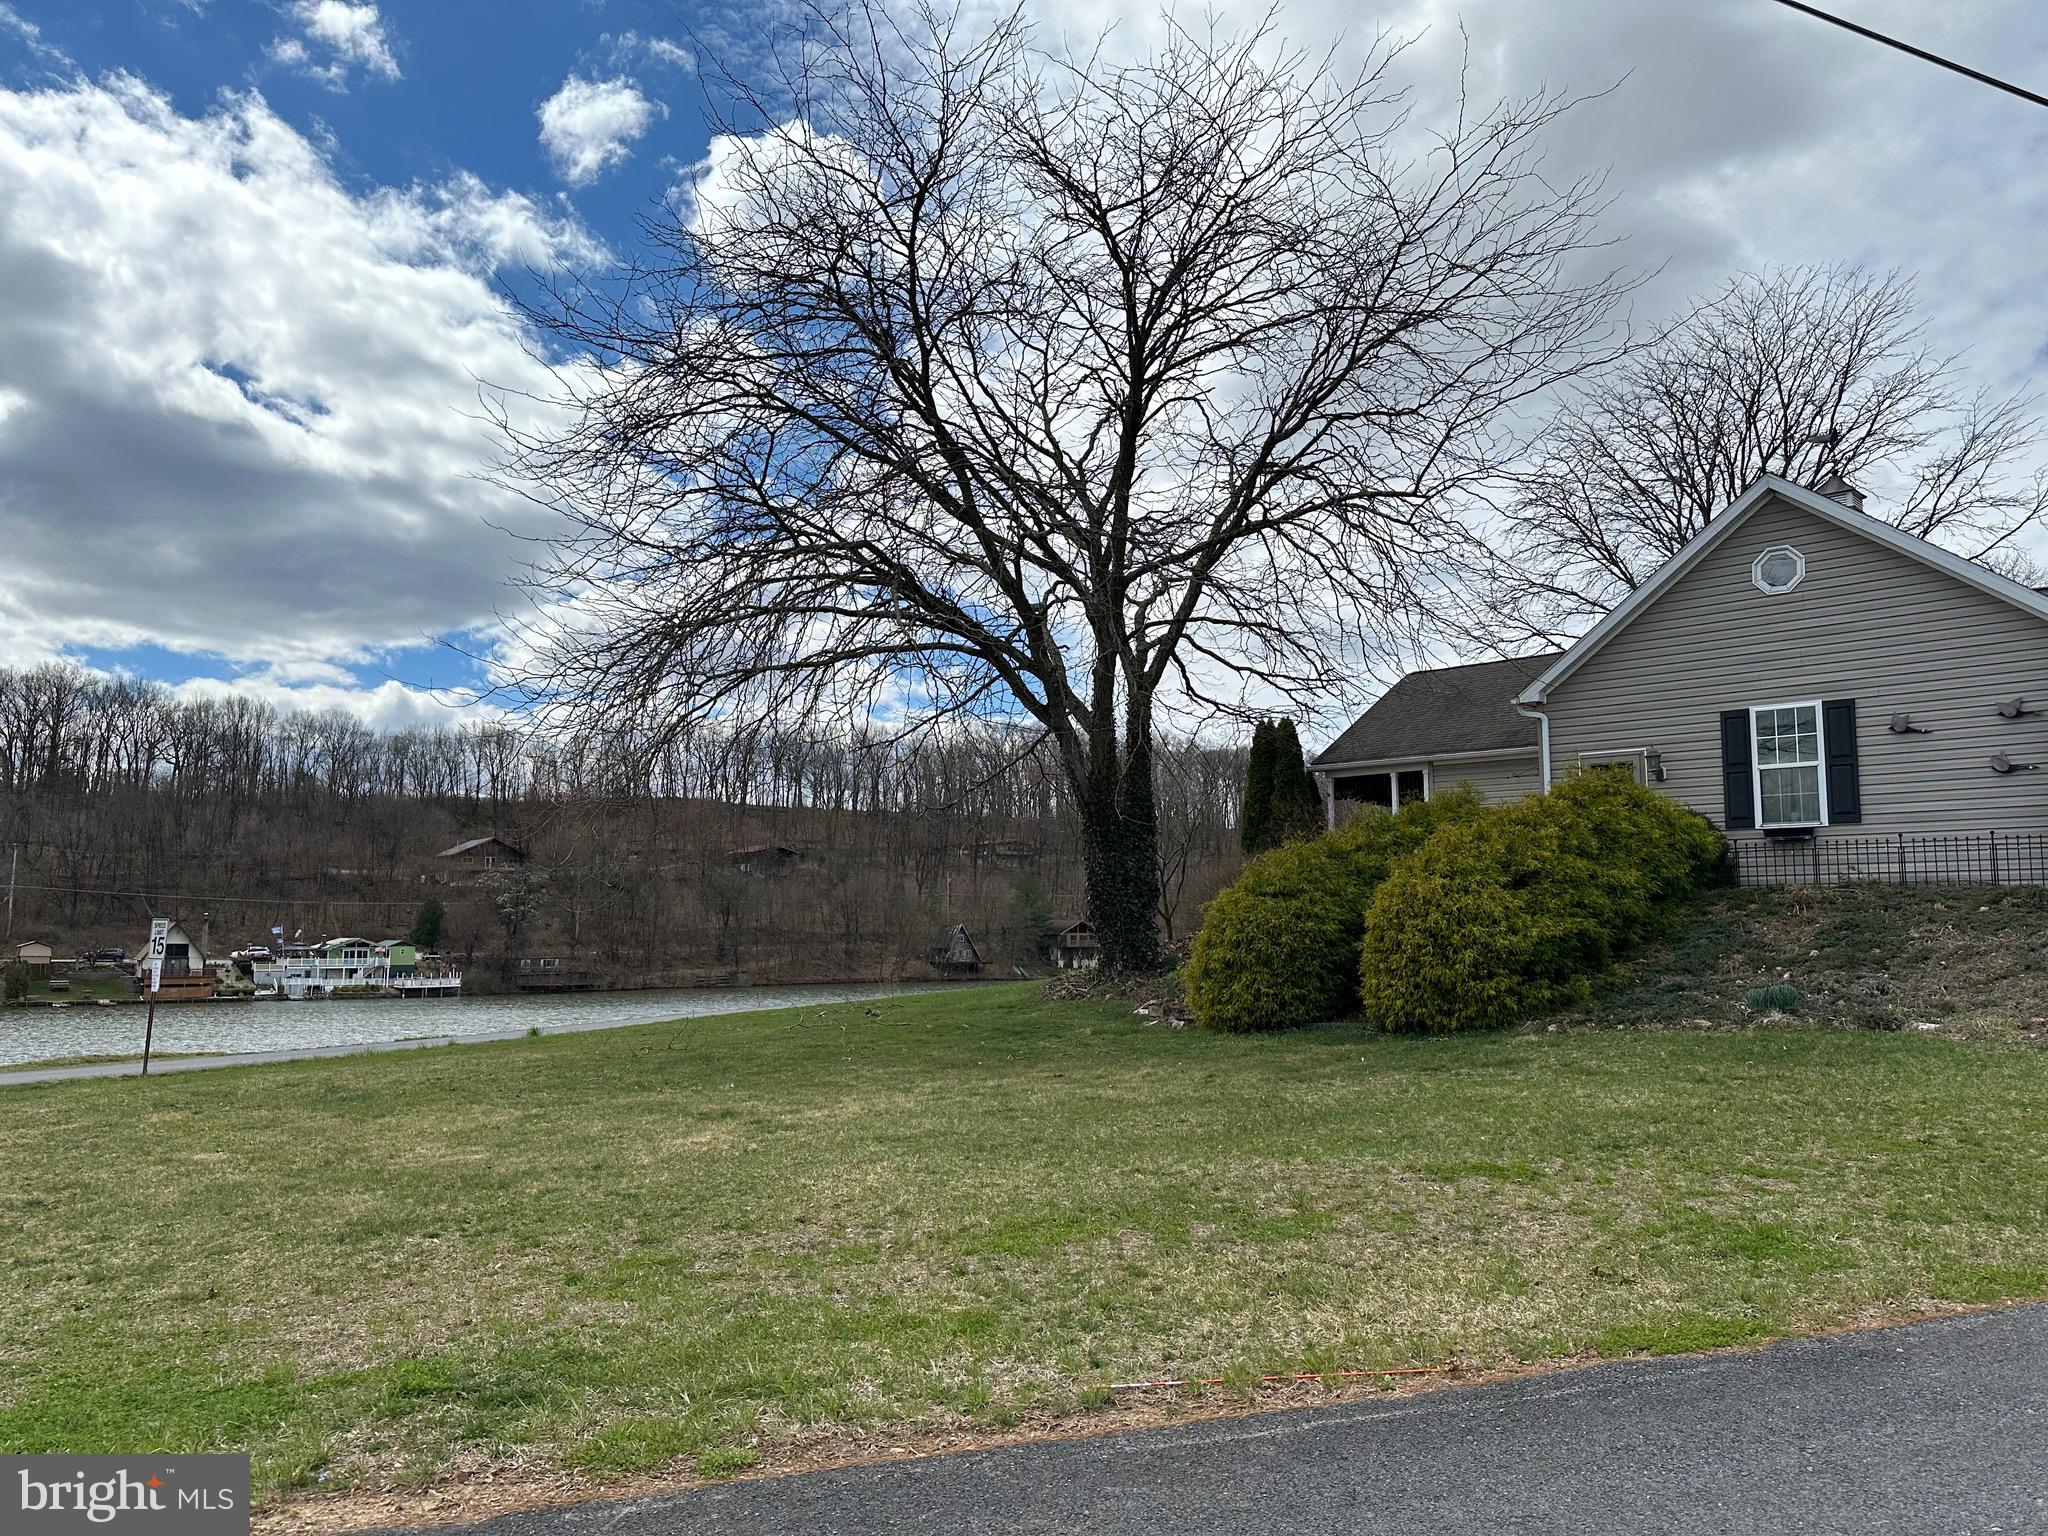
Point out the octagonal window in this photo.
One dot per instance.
(1778, 569)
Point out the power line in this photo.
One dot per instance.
(1977, 75)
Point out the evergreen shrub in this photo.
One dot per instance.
(1514, 911)
(1278, 948)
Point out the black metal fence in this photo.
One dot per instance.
(1980, 858)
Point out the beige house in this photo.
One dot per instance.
(1435, 729)
(32, 953)
(1800, 673)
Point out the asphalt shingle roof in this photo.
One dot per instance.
(1445, 710)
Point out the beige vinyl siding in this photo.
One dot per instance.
(1867, 623)
(1495, 780)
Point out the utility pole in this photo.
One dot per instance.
(13, 869)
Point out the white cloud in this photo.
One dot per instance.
(389, 706)
(13, 23)
(462, 218)
(241, 399)
(662, 50)
(735, 189)
(629, 48)
(589, 126)
(336, 36)
(1739, 136)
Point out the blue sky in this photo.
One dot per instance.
(472, 74)
(250, 257)
(571, 120)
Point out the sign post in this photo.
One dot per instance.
(159, 941)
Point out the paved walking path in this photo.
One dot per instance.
(1937, 1427)
(161, 1064)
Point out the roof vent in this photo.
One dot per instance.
(1835, 488)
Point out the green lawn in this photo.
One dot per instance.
(83, 987)
(617, 1250)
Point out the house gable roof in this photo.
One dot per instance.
(1443, 712)
(478, 842)
(1733, 516)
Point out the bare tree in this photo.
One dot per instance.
(977, 382)
(1794, 372)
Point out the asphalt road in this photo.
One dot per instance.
(1937, 1427)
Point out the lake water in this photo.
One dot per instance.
(39, 1034)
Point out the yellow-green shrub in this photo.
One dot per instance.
(1279, 947)
(1515, 910)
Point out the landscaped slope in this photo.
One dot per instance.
(1970, 962)
(710, 1240)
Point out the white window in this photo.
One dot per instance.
(1778, 569)
(1390, 790)
(1791, 786)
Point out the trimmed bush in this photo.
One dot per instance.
(1279, 947)
(1515, 910)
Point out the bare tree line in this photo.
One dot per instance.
(63, 729)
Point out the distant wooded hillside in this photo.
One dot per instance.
(762, 855)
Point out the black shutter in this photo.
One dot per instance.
(1838, 741)
(1738, 796)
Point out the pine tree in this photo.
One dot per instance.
(1297, 806)
(428, 924)
(1257, 829)
(1034, 911)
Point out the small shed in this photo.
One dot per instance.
(1076, 946)
(32, 953)
(953, 952)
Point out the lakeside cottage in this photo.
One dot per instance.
(1076, 946)
(953, 952)
(1830, 691)
(188, 975)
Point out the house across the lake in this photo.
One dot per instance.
(188, 976)
(953, 952)
(479, 854)
(1076, 946)
(765, 858)
(1801, 673)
